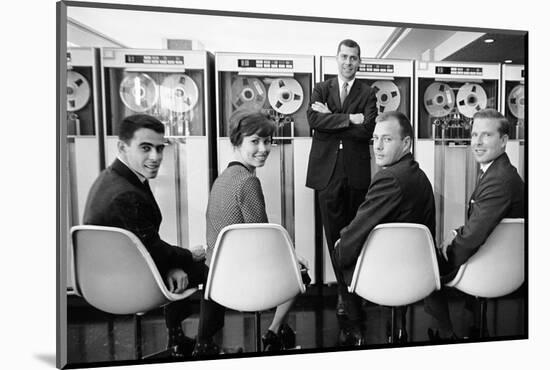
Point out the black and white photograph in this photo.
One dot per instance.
(260, 186)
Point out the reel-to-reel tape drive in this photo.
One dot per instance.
(177, 93)
(80, 85)
(449, 96)
(513, 99)
(165, 86)
(278, 87)
(453, 107)
(285, 96)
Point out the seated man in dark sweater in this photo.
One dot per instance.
(121, 197)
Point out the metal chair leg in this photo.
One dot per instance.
(393, 325)
(483, 318)
(110, 335)
(258, 331)
(137, 337)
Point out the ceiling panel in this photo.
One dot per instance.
(506, 46)
(139, 29)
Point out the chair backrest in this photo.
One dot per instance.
(253, 268)
(397, 265)
(497, 268)
(114, 272)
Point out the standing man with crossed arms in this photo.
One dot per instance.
(342, 115)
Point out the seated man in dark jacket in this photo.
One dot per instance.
(399, 192)
(498, 194)
(121, 197)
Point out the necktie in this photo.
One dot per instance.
(343, 93)
(479, 176)
(147, 187)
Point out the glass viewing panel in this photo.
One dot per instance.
(80, 102)
(284, 99)
(176, 99)
(446, 108)
(515, 108)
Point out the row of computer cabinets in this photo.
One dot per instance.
(194, 93)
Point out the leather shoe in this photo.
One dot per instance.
(271, 342)
(179, 345)
(287, 336)
(435, 337)
(351, 337)
(206, 348)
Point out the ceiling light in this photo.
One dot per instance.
(508, 61)
(489, 41)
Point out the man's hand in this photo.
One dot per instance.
(302, 261)
(199, 253)
(177, 281)
(320, 107)
(357, 118)
(445, 245)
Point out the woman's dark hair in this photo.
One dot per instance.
(243, 124)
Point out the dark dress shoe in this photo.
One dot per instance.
(351, 337)
(207, 348)
(435, 337)
(271, 342)
(179, 345)
(402, 337)
(287, 336)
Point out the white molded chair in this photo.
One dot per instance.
(497, 268)
(397, 267)
(253, 268)
(114, 273)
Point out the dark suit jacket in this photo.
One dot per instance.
(330, 128)
(398, 193)
(498, 195)
(119, 199)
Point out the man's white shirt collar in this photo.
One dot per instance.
(485, 166)
(341, 82)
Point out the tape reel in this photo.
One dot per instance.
(470, 99)
(178, 93)
(285, 95)
(78, 91)
(516, 101)
(248, 93)
(388, 96)
(439, 99)
(139, 92)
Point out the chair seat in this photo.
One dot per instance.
(397, 265)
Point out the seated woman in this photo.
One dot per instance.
(236, 197)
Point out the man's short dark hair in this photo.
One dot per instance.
(350, 44)
(490, 113)
(243, 124)
(404, 123)
(131, 124)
